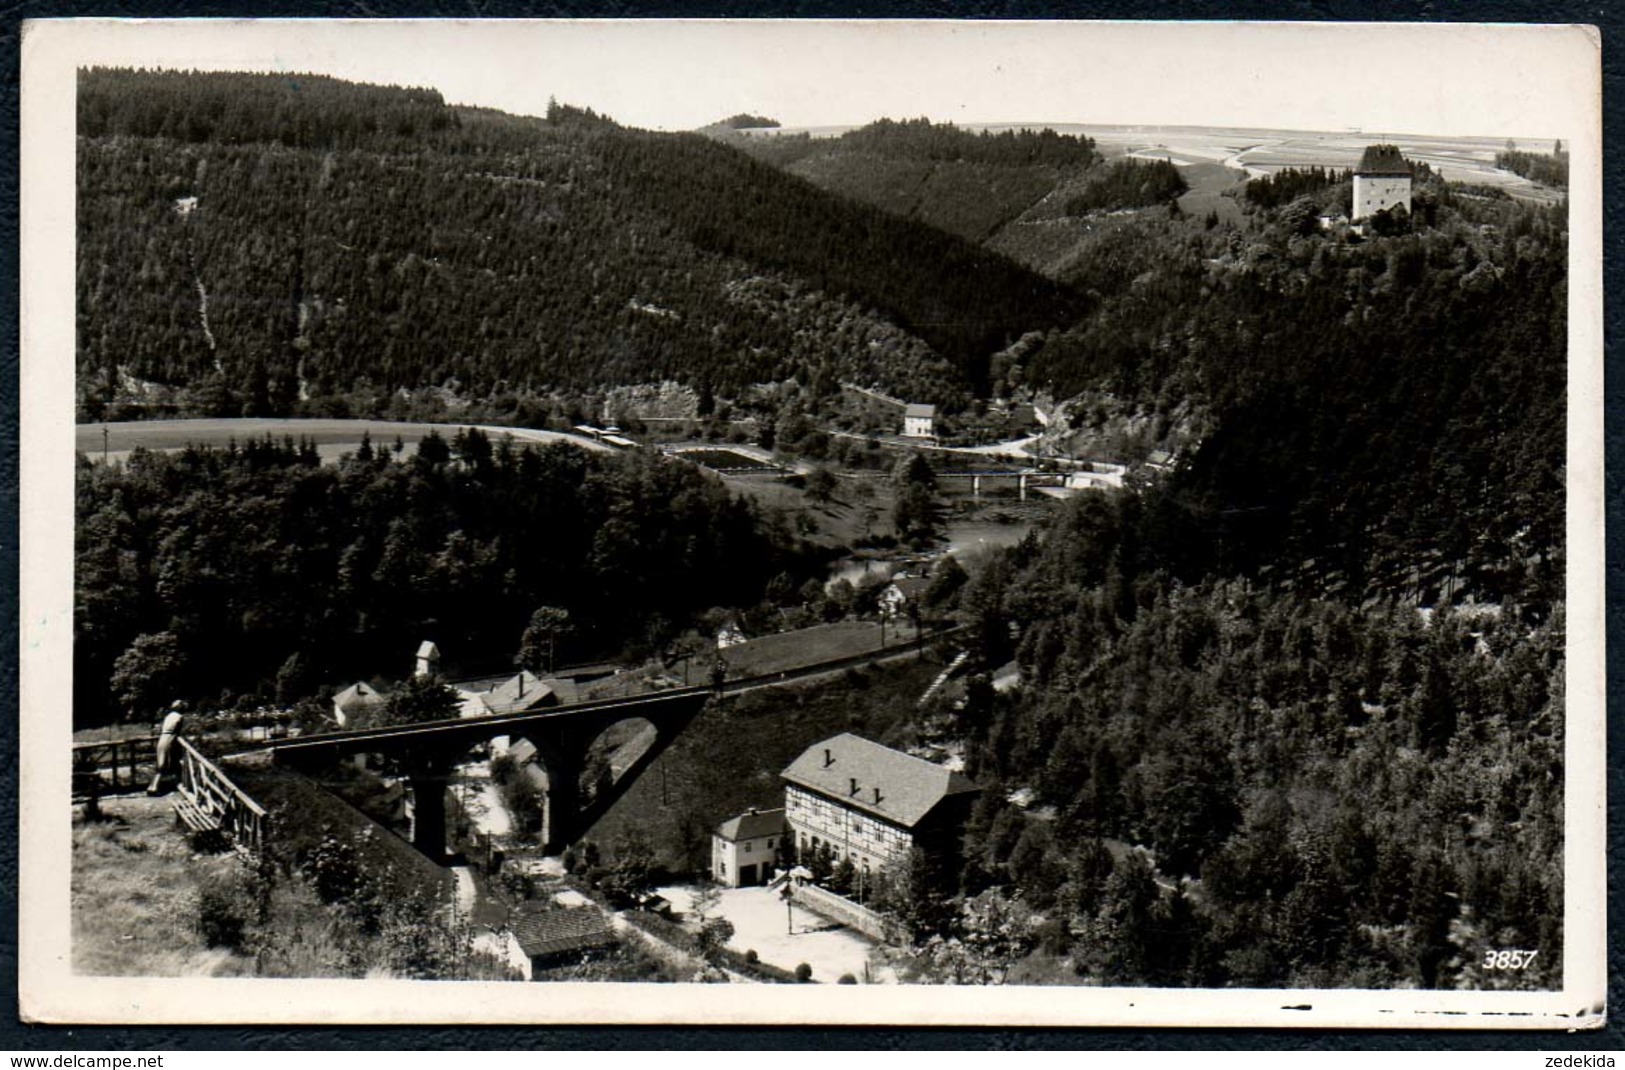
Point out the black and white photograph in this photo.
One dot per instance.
(796, 522)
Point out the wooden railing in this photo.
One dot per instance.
(213, 793)
(116, 765)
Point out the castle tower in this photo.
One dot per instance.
(1382, 179)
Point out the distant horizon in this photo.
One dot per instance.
(678, 75)
(1062, 126)
(1066, 126)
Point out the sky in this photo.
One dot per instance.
(1417, 78)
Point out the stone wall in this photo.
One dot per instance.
(839, 908)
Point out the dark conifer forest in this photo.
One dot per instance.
(268, 244)
(257, 572)
(1291, 702)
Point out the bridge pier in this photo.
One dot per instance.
(561, 809)
(429, 781)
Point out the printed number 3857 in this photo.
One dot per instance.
(1508, 960)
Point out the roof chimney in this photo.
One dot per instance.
(829, 759)
(877, 796)
(854, 789)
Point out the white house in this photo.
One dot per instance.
(745, 849)
(1382, 180)
(900, 592)
(919, 421)
(730, 634)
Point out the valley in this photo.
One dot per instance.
(1157, 550)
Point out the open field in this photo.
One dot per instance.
(759, 657)
(332, 437)
(861, 506)
(719, 459)
(1262, 151)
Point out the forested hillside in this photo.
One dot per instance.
(1327, 794)
(969, 184)
(258, 572)
(1292, 714)
(262, 245)
(1377, 407)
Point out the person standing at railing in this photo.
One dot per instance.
(166, 746)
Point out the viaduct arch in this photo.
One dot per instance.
(562, 737)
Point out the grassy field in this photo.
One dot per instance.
(719, 459)
(134, 896)
(759, 657)
(861, 506)
(823, 642)
(332, 437)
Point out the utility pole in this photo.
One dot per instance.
(104, 445)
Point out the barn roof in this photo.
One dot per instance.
(525, 690)
(752, 826)
(892, 785)
(560, 931)
(928, 411)
(1382, 160)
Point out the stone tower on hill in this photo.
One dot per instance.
(1382, 179)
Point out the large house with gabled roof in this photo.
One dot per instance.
(873, 805)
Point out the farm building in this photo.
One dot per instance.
(873, 805)
(919, 421)
(539, 936)
(745, 849)
(1382, 180)
(514, 694)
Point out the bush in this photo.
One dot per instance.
(847, 979)
(803, 973)
(751, 956)
(751, 965)
(224, 907)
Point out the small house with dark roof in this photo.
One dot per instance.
(873, 805)
(1382, 180)
(919, 421)
(745, 849)
(540, 936)
(355, 699)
